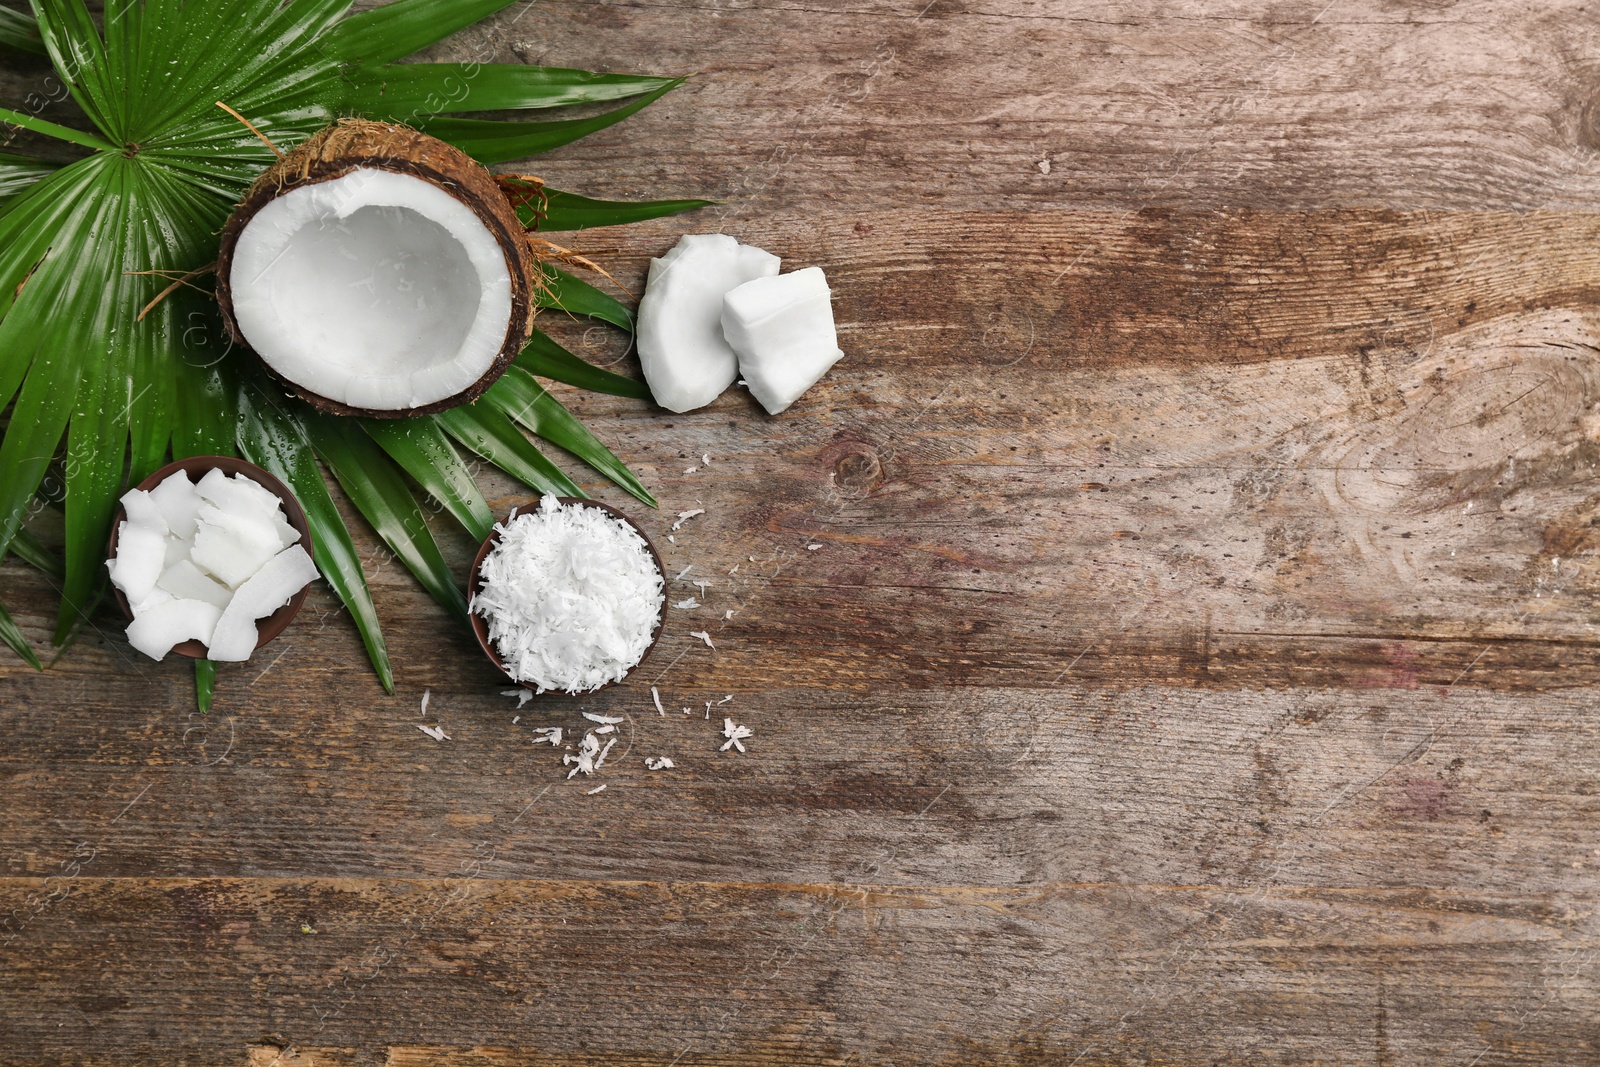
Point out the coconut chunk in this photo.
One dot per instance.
(178, 501)
(142, 510)
(140, 559)
(232, 546)
(377, 290)
(184, 579)
(271, 587)
(687, 362)
(157, 628)
(177, 549)
(236, 493)
(782, 329)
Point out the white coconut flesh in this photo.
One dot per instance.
(686, 361)
(204, 562)
(782, 328)
(378, 290)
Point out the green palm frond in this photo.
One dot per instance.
(86, 245)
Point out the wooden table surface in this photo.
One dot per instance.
(1199, 664)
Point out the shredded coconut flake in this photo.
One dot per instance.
(702, 586)
(655, 695)
(685, 516)
(690, 470)
(604, 729)
(547, 735)
(726, 615)
(610, 719)
(658, 763)
(571, 595)
(588, 749)
(702, 635)
(674, 540)
(706, 459)
(597, 789)
(735, 735)
(435, 732)
(522, 695)
(683, 572)
(812, 548)
(725, 699)
(687, 605)
(599, 761)
(426, 693)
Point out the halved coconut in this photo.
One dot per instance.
(378, 271)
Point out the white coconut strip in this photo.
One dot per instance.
(273, 586)
(377, 290)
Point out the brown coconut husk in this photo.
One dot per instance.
(354, 144)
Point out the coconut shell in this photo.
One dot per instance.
(355, 144)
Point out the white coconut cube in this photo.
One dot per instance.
(231, 546)
(156, 628)
(686, 360)
(141, 557)
(273, 586)
(178, 501)
(184, 579)
(782, 329)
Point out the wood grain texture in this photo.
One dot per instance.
(1197, 664)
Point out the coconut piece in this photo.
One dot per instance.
(378, 271)
(177, 549)
(178, 501)
(141, 557)
(238, 494)
(142, 510)
(232, 546)
(184, 579)
(782, 329)
(271, 587)
(156, 629)
(687, 362)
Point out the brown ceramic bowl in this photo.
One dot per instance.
(195, 467)
(480, 628)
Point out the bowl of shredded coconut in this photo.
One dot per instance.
(567, 595)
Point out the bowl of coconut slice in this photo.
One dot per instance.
(567, 595)
(210, 557)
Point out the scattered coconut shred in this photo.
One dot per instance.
(571, 595)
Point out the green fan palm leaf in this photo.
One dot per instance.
(108, 388)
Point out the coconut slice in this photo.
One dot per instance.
(687, 362)
(378, 271)
(184, 579)
(265, 592)
(142, 510)
(782, 329)
(157, 627)
(140, 559)
(178, 501)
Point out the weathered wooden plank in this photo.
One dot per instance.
(1369, 461)
(405, 972)
(869, 104)
(309, 773)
